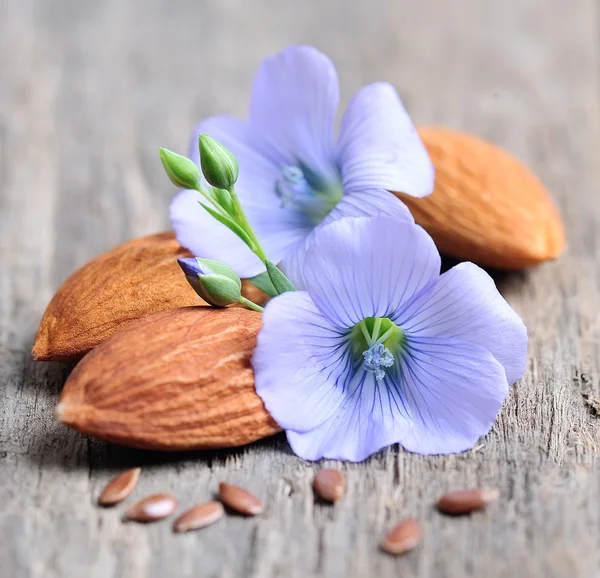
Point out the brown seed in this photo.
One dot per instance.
(119, 488)
(329, 484)
(198, 517)
(152, 508)
(402, 538)
(460, 502)
(239, 499)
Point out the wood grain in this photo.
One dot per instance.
(89, 90)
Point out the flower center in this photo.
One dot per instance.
(376, 358)
(377, 340)
(307, 192)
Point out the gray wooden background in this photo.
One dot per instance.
(90, 89)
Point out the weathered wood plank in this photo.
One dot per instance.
(89, 90)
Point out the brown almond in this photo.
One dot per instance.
(402, 538)
(176, 380)
(240, 500)
(199, 517)
(130, 281)
(487, 207)
(460, 502)
(329, 484)
(152, 509)
(119, 488)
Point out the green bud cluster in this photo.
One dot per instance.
(216, 283)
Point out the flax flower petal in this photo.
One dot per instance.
(369, 203)
(369, 418)
(441, 399)
(452, 392)
(367, 267)
(293, 106)
(278, 229)
(379, 146)
(301, 363)
(464, 304)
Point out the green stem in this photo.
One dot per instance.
(245, 224)
(211, 200)
(250, 304)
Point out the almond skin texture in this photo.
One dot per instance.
(487, 207)
(132, 280)
(176, 380)
(119, 488)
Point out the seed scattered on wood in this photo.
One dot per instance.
(199, 517)
(119, 488)
(239, 499)
(459, 502)
(329, 484)
(402, 538)
(152, 508)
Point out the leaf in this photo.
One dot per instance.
(264, 283)
(231, 225)
(280, 282)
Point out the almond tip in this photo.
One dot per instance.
(59, 411)
(38, 352)
(65, 413)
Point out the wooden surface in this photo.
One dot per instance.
(89, 90)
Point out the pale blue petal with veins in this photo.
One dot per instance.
(382, 349)
(294, 177)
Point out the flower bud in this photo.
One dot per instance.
(219, 166)
(182, 171)
(216, 283)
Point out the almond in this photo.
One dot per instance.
(132, 280)
(487, 207)
(176, 380)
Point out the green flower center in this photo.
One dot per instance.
(377, 341)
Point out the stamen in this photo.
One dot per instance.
(376, 358)
(301, 189)
(293, 175)
(291, 185)
(377, 342)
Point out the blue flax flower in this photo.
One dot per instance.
(294, 176)
(382, 349)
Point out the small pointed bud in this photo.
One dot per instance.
(215, 282)
(219, 166)
(182, 171)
